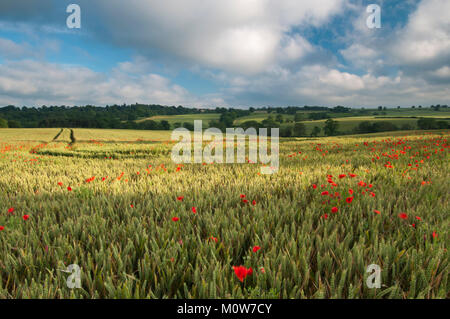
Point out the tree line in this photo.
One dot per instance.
(126, 116)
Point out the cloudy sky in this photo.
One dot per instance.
(238, 53)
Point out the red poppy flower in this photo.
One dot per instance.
(334, 209)
(314, 186)
(194, 210)
(1, 228)
(350, 191)
(342, 176)
(180, 198)
(352, 175)
(69, 188)
(256, 248)
(418, 218)
(242, 272)
(213, 239)
(60, 184)
(11, 210)
(403, 216)
(349, 199)
(25, 217)
(90, 179)
(175, 219)
(325, 216)
(132, 206)
(254, 202)
(376, 211)
(325, 193)
(242, 196)
(434, 234)
(262, 270)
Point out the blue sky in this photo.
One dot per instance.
(236, 53)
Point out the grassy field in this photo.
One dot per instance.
(259, 117)
(348, 124)
(347, 121)
(140, 226)
(189, 118)
(345, 124)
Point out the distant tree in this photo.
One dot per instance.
(165, 125)
(330, 127)
(279, 118)
(407, 127)
(364, 127)
(227, 119)
(298, 117)
(291, 110)
(14, 124)
(299, 129)
(398, 107)
(189, 126)
(380, 108)
(442, 125)
(383, 126)
(218, 124)
(341, 109)
(316, 131)
(248, 124)
(270, 122)
(427, 124)
(318, 116)
(286, 131)
(3, 123)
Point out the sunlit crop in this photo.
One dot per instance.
(140, 226)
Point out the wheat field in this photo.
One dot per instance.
(140, 226)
